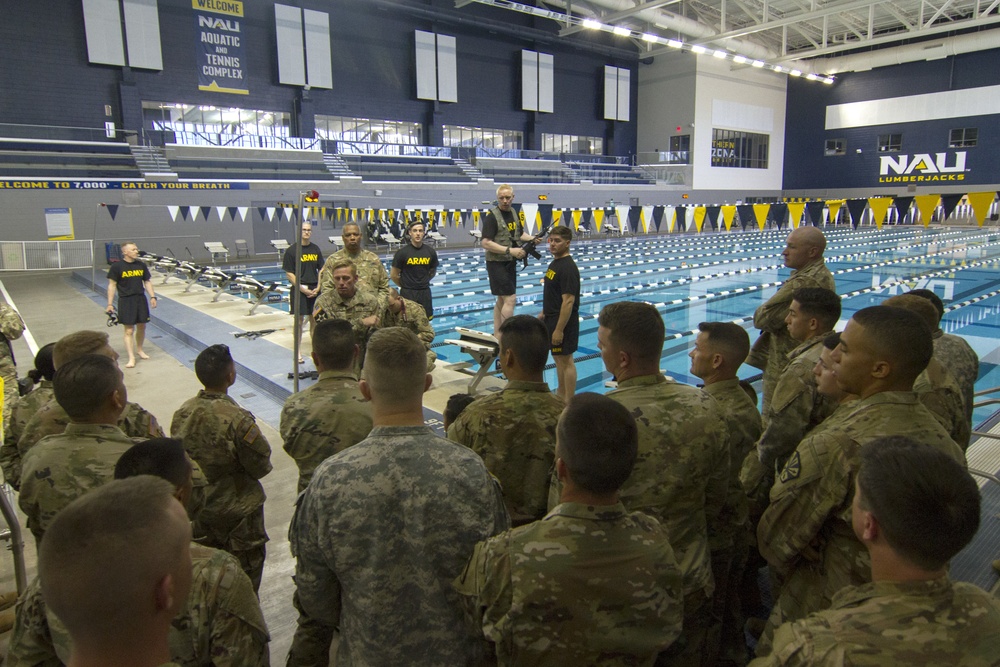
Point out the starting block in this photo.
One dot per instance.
(221, 279)
(259, 291)
(483, 348)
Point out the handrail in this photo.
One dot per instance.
(984, 434)
(984, 474)
(16, 540)
(983, 392)
(63, 132)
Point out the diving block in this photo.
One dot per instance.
(192, 272)
(482, 347)
(221, 279)
(165, 265)
(260, 291)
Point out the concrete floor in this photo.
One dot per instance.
(52, 306)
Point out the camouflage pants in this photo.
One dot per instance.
(312, 640)
(10, 394)
(726, 644)
(691, 646)
(246, 541)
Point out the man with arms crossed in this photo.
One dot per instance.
(501, 230)
(413, 267)
(305, 286)
(131, 279)
(561, 309)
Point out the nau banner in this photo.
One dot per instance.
(220, 48)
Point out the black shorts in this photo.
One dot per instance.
(133, 309)
(421, 296)
(303, 304)
(503, 278)
(571, 335)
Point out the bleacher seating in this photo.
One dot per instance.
(604, 173)
(520, 170)
(46, 158)
(215, 162)
(405, 168)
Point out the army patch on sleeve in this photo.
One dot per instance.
(792, 469)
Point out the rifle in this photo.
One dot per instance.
(254, 335)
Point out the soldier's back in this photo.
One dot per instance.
(955, 354)
(51, 419)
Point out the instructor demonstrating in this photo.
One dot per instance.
(132, 280)
(502, 228)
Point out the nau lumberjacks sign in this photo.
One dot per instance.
(922, 167)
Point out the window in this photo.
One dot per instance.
(890, 142)
(201, 120)
(571, 143)
(835, 147)
(460, 135)
(371, 130)
(963, 137)
(744, 150)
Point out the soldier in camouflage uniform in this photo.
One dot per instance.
(115, 569)
(23, 410)
(11, 328)
(220, 625)
(681, 475)
(385, 526)
(795, 407)
(590, 580)
(63, 467)
(317, 423)
(805, 533)
(718, 352)
(804, 255)
(347, 302)
(224, 440)
(514, 430)
(400, 312)
(51, 419)
(370, 270)
(911, 614)
(954, 353)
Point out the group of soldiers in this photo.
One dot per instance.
(628, 528)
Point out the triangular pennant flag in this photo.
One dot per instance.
(834, 206)
(244, 210)
(528, 215)
(173, 210)
(546, 217)
(712, 216)
(760, 212)
(621, 212)
(728, 212)
(879, 206)
(658, 212)
(193, 212)
(778, 213)
(856, 207)
(646, 220)
(475, 219)
(746, 214)
(981, 202)
(926, 205)
(681, 215)
(265, 215)
(186, 212)
(113, 210)
(598, 218)
(634, 218)
(902, 206)
(205, 212)
(576, 219)
(670, 215)
(795, 213)
(232, 211)
(949, 202)
(814, 213)
(221, 212)
(699, 217)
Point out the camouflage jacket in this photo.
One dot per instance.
(381, 532)
(221, 625)
(918, 624)
(324, 419)
(20, 413)
(961, 360)
(329, 305)
(51, 419)
(224, 440)
(770, 319)
(11, 325)
(743, 426)
(795, 407)
(810, 508)
(940, 393)
(373, 276)
(413, 317)
(63, 467)
(581, 585)
(514, 430)
(681, 475)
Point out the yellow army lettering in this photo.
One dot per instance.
(134, 273)
(310, 258)
(413, 261)
(550, 274)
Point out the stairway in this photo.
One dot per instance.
(470, 171)
(336, 165)
(153, 163)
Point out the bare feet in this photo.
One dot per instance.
(130, 364)
(142, 355)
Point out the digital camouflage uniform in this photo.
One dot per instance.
(221, 624)
(23, 410)
(770, 319)
(584, 586)
(371, 273)
(329, 305)
(955, 354)
(917, 624)
(61, 468)
(381, 532)
(795, 409)
(514, 430)
(730, 544)
(810, 510)
(225, 442)
(413, 317)
(317, 423)
(681, 478)
(11, 328)
(940, 393)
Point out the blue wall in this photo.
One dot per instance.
(46, 79)
(805, 137)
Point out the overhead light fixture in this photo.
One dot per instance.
(622, 32)
(650, 37)
(741, 60)
(795, 72)
(720, 54)
(828, 80)
(699, 49)
(758, 63)
(674, 44)
(812, 77)
(779, 68)
(592, 24)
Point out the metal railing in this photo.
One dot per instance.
(231, 140)
(46, 255)
(63, 133)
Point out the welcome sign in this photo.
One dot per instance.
(220, 48)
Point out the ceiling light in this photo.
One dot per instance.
(740, 59)
(649, 37)
(592, 24)
(828, 80)
(622, 32)
(779, 68)
(674, 44)
(758, 63)
(795, 72)
(812, 77)
(720, 54)
(699, 49)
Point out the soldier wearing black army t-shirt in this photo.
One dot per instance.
(305, 288)
(413, 266)
(131, 279)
